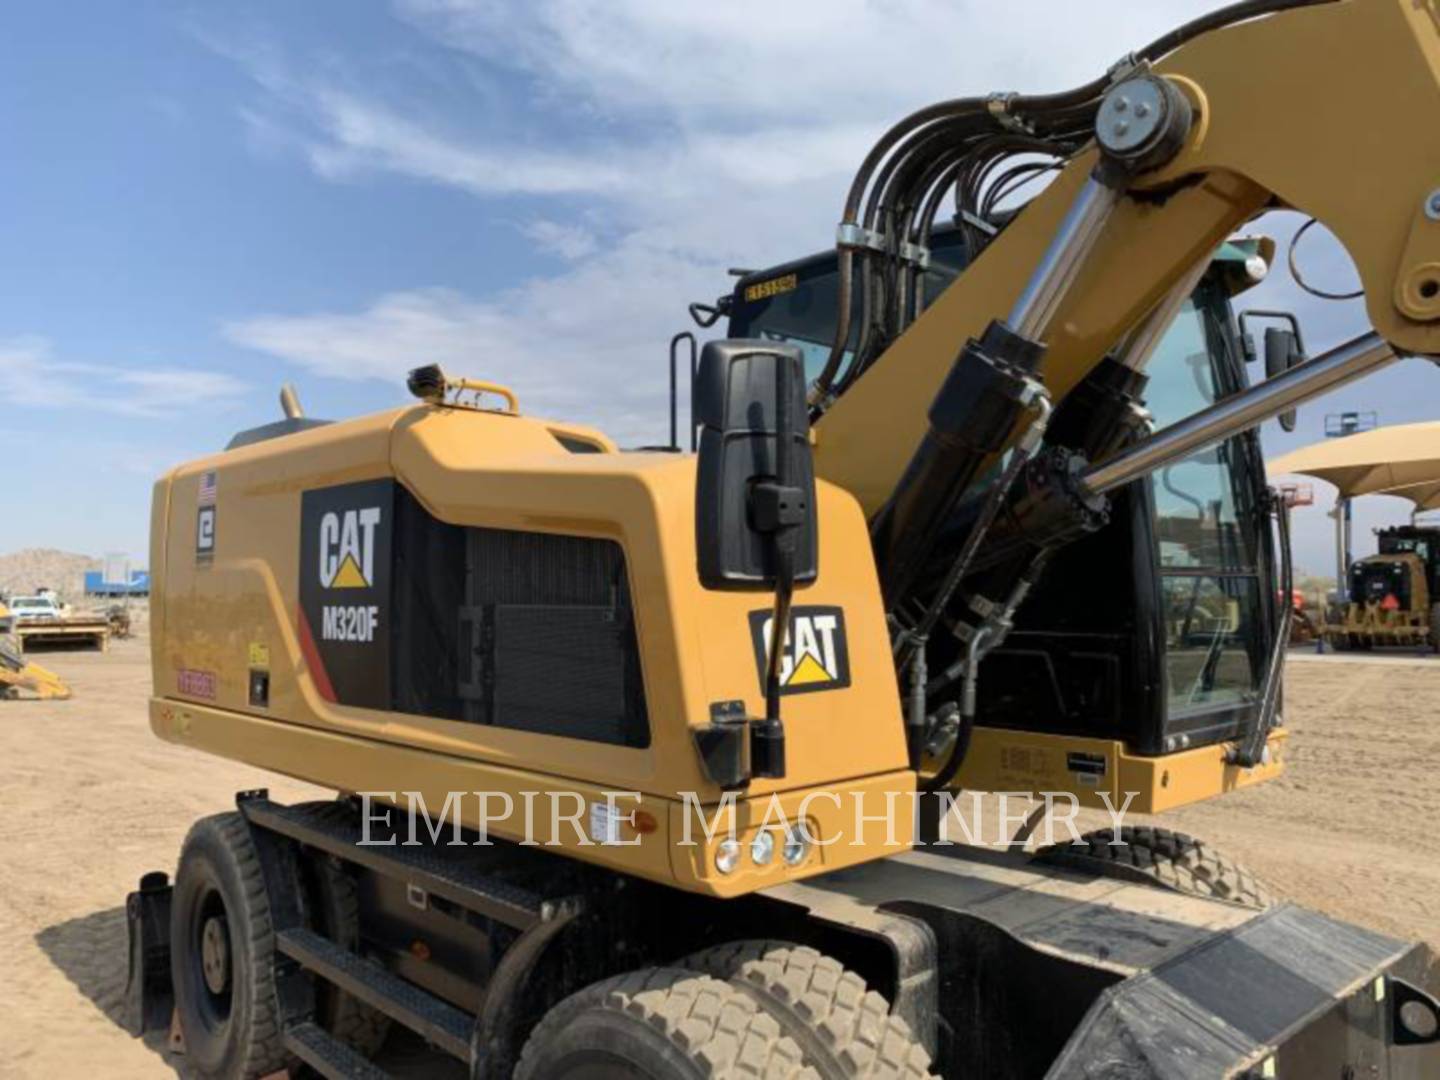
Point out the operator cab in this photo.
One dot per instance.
(1156, 629)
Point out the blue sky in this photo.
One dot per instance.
(201, 201)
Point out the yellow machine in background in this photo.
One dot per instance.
(1391, 596)
(19, 678)
(692, 722)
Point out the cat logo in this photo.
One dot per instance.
(347, 548)
(816, 655)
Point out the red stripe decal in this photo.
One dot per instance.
(312, 659)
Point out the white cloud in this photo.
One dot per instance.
(702, 137)
(567, 241)
(698, 137)
(758, 63)
(30, 376)
(355, 135)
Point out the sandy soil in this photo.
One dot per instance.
(90, 800)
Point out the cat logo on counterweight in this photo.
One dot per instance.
(815, 654)
(347, 548)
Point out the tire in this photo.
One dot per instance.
(228, 1014)
(1169, 859)
(336, 915)
(660, 1024)
(1435, 627)
(844, 1028)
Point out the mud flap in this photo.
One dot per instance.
(149, 996)
(1289, 993)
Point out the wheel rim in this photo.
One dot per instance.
(215, 955)
(211, 959)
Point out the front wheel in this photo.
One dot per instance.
(660, 1024)
(1170, 859)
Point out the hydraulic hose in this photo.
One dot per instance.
(1053, 118)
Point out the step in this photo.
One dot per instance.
(329, 1056)
(438, 1022)
(464, 884)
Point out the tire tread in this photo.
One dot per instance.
(846, 1029)
(722, 1031)
(1174, 859)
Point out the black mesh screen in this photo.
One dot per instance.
(519, 630)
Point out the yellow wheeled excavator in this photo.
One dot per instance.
(646, 759)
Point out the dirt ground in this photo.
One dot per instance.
(90, 800)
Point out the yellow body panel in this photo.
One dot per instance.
(670, 853)
(489, 469)
(1024, 761)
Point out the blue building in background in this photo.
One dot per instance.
(138, 585)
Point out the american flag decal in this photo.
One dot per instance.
(207, 487)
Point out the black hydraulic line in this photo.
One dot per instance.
(914, 643)
(964, 733)
(1215, 20)
(1070, 112)
(958, 569)
(893, 179)
(976, 651)
(858, 186)
(913, 180)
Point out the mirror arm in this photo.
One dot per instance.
(767, 748)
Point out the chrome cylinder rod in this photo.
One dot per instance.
(1240, 412)
(1036, 306)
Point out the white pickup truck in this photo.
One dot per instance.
(36, 608)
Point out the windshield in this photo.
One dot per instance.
(1400, 545)
(1205, 533)
(33, 601)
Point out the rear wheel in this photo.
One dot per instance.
(844, 1028)
(1172, 859)
(660, 1024)
(222, 947)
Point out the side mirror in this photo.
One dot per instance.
(1284, 349)
(755, 492)
(1282, 352)
(755, 522)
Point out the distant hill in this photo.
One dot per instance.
(30, 569)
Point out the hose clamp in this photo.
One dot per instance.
(1000, 105)
(978, 222)
(857, 236)
(917, 254)
(1129, 64)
